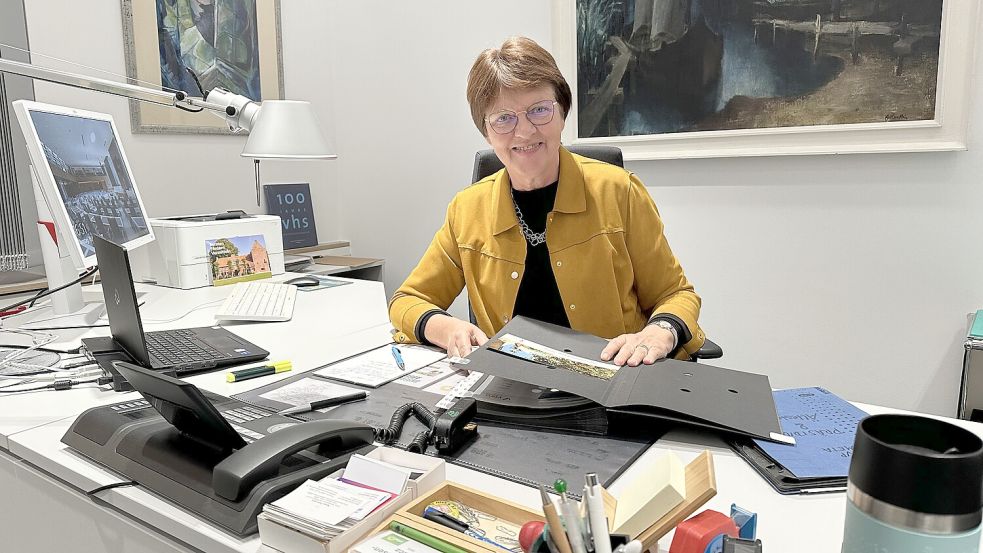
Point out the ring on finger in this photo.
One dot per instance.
(643, 346)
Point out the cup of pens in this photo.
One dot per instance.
(566, 531)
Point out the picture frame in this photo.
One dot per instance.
(258, 65)
(946, 132)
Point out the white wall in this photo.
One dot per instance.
(850, 272)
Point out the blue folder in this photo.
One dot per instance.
(824, 427)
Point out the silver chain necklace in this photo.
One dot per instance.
(534, 238)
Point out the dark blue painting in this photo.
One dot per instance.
(216, 39)
(665, 66)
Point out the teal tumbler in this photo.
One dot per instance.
(915, 486)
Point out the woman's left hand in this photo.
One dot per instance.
(648, 346)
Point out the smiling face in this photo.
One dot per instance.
(530, 153)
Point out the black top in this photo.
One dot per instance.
(538, 296)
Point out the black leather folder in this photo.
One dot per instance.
(730, 401)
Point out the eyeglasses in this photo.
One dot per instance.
(504, 122)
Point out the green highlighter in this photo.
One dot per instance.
(425, 539)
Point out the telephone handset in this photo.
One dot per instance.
(245, 468)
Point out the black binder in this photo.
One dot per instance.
(731, 401)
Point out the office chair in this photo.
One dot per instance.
(486, 163)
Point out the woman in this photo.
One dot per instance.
(554, 236)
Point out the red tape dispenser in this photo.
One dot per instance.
(705, 532)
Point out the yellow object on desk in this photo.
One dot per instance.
(256, 372)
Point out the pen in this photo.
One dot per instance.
(557, 533)
(442, 518)
(595, 515)
(425, 539)
(572, 523)
(322, 403)
(398, 356)
(256, 372)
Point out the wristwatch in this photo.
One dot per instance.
(666, 325)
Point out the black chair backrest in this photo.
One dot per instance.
(486, 162)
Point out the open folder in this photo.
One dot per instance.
(556, 357)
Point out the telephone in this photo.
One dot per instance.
(217, 456)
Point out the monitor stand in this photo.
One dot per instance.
(67, 308)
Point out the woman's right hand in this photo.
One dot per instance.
(454, 335)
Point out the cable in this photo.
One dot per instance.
(58, 385)
(390, 434)
(48, 292)
(110, 486)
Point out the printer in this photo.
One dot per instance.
(178, 258)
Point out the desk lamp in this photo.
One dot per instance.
(288, 130)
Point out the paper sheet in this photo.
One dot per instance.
(446, 385)
(328, 502)
(307, 390)
(427, 375)
(376, 367)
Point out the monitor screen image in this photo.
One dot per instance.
(91, 177)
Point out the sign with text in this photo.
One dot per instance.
(292, 203)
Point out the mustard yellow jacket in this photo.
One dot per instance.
(612, 264)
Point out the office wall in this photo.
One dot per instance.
(850, 272)
(181, 174)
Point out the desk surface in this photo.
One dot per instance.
(332, 324)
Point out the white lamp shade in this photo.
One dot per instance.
(287, 129)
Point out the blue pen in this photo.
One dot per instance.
(397, 355)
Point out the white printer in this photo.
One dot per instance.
(178, 257)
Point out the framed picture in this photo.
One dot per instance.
(665, 79)
(233, 44)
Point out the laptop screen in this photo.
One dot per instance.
(121, 299)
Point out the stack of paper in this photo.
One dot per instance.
(650, 495)
(326, 508)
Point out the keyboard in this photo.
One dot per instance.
(180, 347)
(259, 301)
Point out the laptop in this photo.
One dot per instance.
(183, 350)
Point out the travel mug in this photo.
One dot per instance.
(915, 485)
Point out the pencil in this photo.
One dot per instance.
(556, 527)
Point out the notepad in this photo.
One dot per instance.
(650, 495)
(378, 366)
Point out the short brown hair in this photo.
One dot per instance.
(519, 64)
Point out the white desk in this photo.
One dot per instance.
(45, 508)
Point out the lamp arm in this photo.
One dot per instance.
(238, 111)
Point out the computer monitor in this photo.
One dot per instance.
(83, 173)
(83, 187)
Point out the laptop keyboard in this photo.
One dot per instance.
(179, 347)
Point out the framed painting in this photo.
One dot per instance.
(665, 79)
(233, 44)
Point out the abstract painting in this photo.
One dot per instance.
(652, 68)
(187, 44)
